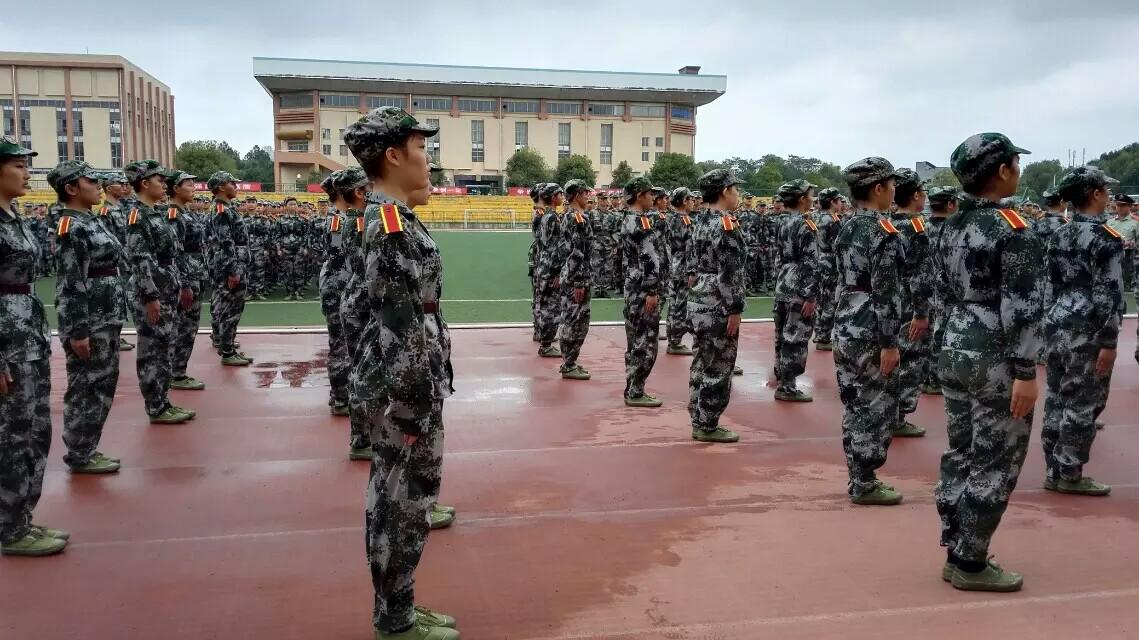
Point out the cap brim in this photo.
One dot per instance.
(1023, 152)
(425, 130)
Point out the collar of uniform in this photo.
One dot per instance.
(379, 197)
(866, 212)
(969, 201)
(1088, 217)
(67, 211)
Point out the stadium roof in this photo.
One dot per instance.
(292, 74)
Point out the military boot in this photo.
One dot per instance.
(170, 416)
(444, 508)
(34, 544)
(58, 534)
(360, 453)
(1085, 486)
(792, 395)
(111, 458)
(426, 616)
(549, 352)
(678, 350)
(420, 631)
(440, 519)
(719, 434)
(190, 412)
(907, 429)
(97, 465)
(576, 372)
(643, 400)
(882, 495)
(991, 578)
(187, 384)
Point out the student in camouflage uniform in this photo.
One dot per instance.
(1049, 223)
(257, 225)
(750, 225)
(404, 374)
(942, 204)
(354, 312)
(154, 250)
(599, 259)
(114, 219)
(992, 280)
(25, 370)
(532, 258)
(868, 256)
(89, 301)
(827, 219)
(549, 255)
(617, 258)
(291, 230)
(229, 266)
(680, 240)
(714, 262)
(660, 233)
(642, 291)
(576, 278)
(916, 290)
(1128, 229)
(796, 291)
(191, 230)
(346, 189)
(1082, 328)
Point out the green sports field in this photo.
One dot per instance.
(485, 281)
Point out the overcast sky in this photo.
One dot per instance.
(834, 79)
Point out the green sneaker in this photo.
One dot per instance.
(169, 416)
(644, 400)
(34, 544)
(881, 495)
(678, 350)
(441, 519)
(339, 410)
(907, 429)
(426, 616)
(719, 434)
(236, 360)
(190, 412)
(576, 373)
(549, 352)
(58, 534)
(991, 578)
(931, 389)
(419, 631)
(97, 466)
(737, 371)
(360, 453)
(947, 571)
(824, 346)
(793, 395)
(100, 454)
(443, 508)
(187, 384)
(1085, 486)
(125, 346)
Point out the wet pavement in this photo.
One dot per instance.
(578, 518)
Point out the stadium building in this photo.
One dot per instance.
(102, 109)
(484, 114)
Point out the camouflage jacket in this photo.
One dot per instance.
(716, 255)
(24, 334)
(334, 268)
(661, 230)
(290, 233)
(532, 254)
(868, 256)
(114, 218)
(639, 251)
(828, 224)
(917, 284)
(317, 233)
(154, 249)
(191, 230)
(1085, 264)
(405, 350)
(88, 291)
(992, 279)
(680, 245)
(796, 257)
(933, 232)
(599, 221)
(549, 248)
(578, 240)
(1047, 225)
(229, 255)
(751, 224)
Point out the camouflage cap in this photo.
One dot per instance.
(718, 180)
(174, 178)
(829, 194)
(350, 178)
(574, 187)
(637, 186)
(679, 195)
(1082, 180)
(9, 147)
(659, 192)
(112, 177)
(747, 196)
(943, 195)
(904, 178)
(696, 194)
(981, 153)
(549, 190)
(218, 178)
(1050, 193)
(326, 184)
(867, 172)
(143, 169)
(70, 171)
(536, 191)
(794, 189)
(381, 128)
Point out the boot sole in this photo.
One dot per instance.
(358, 458)
(716, 441)
(992, 588)
(795, 399)
(436, 527)
(643, 406)
(180, 421)
(878, 503)
(1069, 492)
(201, 388)
(908, 435)
(89, 472)
(39, 553)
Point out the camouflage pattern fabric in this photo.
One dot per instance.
(334, 275)
(291, 231)
(916, 288)
(992, 284)
(1085, 267)
(113, 218)
(797, 258)
(749, 226)
(717, 255)
(91, 386)
(25, 437)
(616, 269)
(531, 270)
(354, 316)
(642, 264)
(576, 273)
(868, 263)
(550, 254)
(602, 247)
(230, 257)
(1045, 228)
(192, 271)
(680, 241)
(827, 273)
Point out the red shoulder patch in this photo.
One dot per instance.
(1112, 232)
(887, 226)
(64, 226)
(393, 223)
(172, 213)
(811, 224)
(1013, 219)
(918, 225)
(645, 223)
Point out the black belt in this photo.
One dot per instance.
(15, 289)
(430, 307)
(102, 272)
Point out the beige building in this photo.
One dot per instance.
(102, 109)
(484, 114)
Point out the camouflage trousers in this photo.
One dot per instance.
(911, 372)
(870, 408)
(549, 313)
(293, 272)
(792, 336)
(599, 265)
(642, 333)
(574, 326)
(986, 449)
(403, 487)
(91, 386)
(226, 307)
(753, 269)
(936, 340)
(535, 294)
(352, 323)
(25, 437)
(186, 323)
(339, 364)
(714, 357)
(259, 272)
(154, 353)
(677, 323)
(824, 313)
(1074, 399)
(767, 256)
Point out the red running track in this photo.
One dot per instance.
(578, 518)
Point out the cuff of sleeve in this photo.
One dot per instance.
(888, 341)
(1109, 343)
(735, 309)
(149, 297)
(79, 333)
(1023, 369)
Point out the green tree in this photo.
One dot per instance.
(944, 178)
(315, 176)
(526, 168)
(672, 170)
(257, 166)
(1038, 176)
(622, 174)
(766, 180)
(224, 147)
(575, 167)
(1123, 165)
(203, 157)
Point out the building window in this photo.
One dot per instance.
(645, 141)
(326, 149)
(9, 119)
(297, 145)
(78, 150)
(433, 145)
(660, 142)
(468, 105)
(563, 140)
(116, 138)
(644, 156)
(520, 106)
(432, 104)
(343, 149)
(325, 134)
(564, 108)
(606, 144)
(521, 135)
(61, 133)
(681, 113)
(478, 152)
(295, 100)
(26, 130)
(658, 155)
(340, 100)
(375, 102)
(647, 111)
(598, 109)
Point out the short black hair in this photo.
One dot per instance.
(982, 179)
(712, 194)
(862, 192)
(374, 166)
(1080, 196)
(904, 194)
(940, 206)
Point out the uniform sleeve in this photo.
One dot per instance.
(225, 246)
(1107, 292)
(544, 250)
(730, 280)
(142, 259)
(71, 285)
(650, 260)
(184, 261)
(920, 275)
(885, 278)
(808, 263)
(576, 270)
(1022, 294)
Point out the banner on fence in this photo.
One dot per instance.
(449, 191)
(241, 186)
